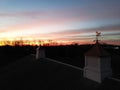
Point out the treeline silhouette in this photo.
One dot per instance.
(10, 54)
(71, 54)
(22, 42)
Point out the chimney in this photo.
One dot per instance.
(40, 52)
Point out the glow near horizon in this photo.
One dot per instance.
(50, 19)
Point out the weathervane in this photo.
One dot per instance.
(97, 36)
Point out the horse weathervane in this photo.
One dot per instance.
(97, 36)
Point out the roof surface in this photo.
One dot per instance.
(42, 74)
(97, 51)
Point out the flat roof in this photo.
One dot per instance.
(43, 74)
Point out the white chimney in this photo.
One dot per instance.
(40, 52)
(97, 64)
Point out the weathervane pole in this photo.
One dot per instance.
(97, 36)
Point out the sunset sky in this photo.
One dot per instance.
(60, 20)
